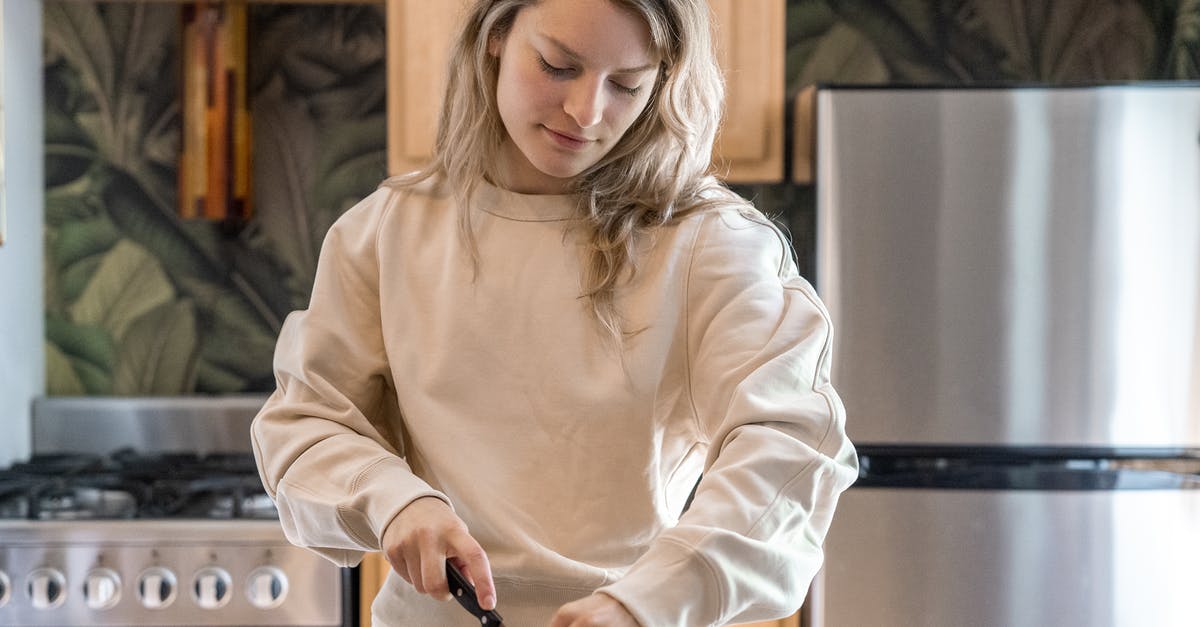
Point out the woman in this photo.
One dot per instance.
(522, 358)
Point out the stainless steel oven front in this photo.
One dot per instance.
(149, 512)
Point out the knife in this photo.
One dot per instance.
(464, 593)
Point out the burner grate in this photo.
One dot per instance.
(128, 484)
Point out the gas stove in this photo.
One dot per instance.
(149, 535)
(128, 484)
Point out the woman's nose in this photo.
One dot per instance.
(585, 103)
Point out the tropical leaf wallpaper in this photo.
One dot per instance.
(141, 302)
(971, 41)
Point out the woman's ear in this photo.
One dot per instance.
(495, 45)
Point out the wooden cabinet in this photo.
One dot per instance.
(750, 43)
(750, 49)
(804, 136)
(419, 33)
(371, 573)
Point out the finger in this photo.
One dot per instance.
(412, 565)
(414, 575)
(561, 618)
(433, 572)
(473, 561)
(398, 564)
(566, 615)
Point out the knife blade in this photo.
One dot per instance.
(464, 593)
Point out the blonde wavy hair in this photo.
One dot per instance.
(659, 171)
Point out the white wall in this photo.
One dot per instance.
(22, 360)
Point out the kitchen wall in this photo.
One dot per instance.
(141, 302)
(22, 373)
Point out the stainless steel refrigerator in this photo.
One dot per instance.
(1014, 280)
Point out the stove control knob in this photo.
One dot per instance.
(47, 588)
(156, 587)
(5, 589)
(102, 589)
(267, 587)
(210, 587)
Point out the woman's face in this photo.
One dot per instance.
(574, 76)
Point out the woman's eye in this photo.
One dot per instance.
(566, 72)
(632, 91)
(557, 72)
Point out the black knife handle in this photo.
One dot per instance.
(464, 593)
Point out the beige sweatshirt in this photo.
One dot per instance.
(411, 375)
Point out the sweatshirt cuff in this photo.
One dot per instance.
(671, 584)
(382, 490)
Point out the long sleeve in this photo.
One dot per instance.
(325, 441)
(759, 344)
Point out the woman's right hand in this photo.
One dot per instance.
(419, 540)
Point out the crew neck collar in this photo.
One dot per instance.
(512, 205)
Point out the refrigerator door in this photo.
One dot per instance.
(1013, 266)
(949, 558)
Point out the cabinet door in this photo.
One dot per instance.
(750, 49)
(419, 33)
(750, 41)
(371, 573)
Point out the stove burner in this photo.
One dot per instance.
(231, 496)
(129, 485)
(82, 502)
(14, 496)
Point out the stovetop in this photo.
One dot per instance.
(127, 484)
(150, 511)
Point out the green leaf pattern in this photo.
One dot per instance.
(951, 42)
(1184, 56)
(157, 353)
(127, 283)
(139, 301)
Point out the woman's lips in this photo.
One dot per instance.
(566, 140)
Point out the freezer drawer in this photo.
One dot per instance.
(955, 558)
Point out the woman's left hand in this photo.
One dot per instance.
(597, 610)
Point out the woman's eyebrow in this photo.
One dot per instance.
(575, 56)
